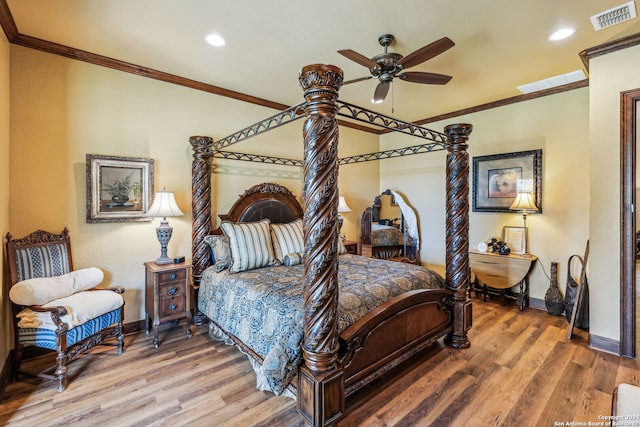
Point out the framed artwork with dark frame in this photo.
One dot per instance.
(498, 178)
(119, 189)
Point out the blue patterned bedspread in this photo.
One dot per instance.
(264, 307)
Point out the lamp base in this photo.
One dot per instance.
(163, 232)
(163, 261)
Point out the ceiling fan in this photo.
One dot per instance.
(389, 65)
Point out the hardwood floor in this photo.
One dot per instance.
(520, 371)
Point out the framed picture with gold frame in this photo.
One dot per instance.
(119, 189)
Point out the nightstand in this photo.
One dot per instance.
(167, 295)
(351, 247)
(498, 273)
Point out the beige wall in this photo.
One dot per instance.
(556, 124)
(609, 76)
(63, 109)
(5, 333)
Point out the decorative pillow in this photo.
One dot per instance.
(287, 238)
(292, 259)
(220, 251)
(250, 244)
(342, 249)
(42, 290)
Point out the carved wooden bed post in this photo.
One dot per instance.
(320, 383)
(457, 245)
(201, 211)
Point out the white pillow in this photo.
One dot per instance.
(250, 244)
(342, 249)
(81, 308)
(42, 290)
(287, 239)
(293, 259)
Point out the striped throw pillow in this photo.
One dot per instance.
(287, 238)
(250, 244)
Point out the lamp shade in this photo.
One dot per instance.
(342, 205)
(164, 205)
(524, 202)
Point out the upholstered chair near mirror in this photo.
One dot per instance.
(389, 229)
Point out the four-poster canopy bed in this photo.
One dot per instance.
(334, 362)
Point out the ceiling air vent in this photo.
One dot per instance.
(614, 16)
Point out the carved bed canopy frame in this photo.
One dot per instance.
(320, 397)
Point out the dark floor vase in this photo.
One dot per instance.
(571, 297)
(553, 298)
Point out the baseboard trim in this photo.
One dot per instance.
(607, 345)
(134, 327)
(537, 303)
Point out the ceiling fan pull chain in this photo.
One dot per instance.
(393, 98)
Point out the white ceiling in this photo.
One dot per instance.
(500, 44)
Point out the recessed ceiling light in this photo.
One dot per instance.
(215, 40)
(561, 34)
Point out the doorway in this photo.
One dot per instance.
(630, 103)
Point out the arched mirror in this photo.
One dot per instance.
(390, 229)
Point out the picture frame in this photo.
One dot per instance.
(516, 238)
(498, 178)
(119, 189)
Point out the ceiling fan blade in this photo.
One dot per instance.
(381, 92)
(426, 52)
(359, 58)
(357, 80)
(425, 78)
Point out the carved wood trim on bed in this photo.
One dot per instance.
(264, 201)
(336, 366)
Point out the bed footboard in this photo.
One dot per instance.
(392, 333)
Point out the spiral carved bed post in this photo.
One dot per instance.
(457, 245)
(320, 384)
(201, 211)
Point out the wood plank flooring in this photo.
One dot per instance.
(520, 371)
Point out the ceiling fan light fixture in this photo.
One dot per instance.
(377, 101)
(561, 34)
(215, 40)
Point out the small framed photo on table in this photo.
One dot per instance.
(516, 238)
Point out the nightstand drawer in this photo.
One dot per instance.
(170, 276)
(171, 290)
(171, 306)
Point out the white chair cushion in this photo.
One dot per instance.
(42, 290)
(81, 307)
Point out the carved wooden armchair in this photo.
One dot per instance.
(55, 307)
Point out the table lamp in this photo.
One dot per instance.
(342, 207)
(164, 205)
(524, 203)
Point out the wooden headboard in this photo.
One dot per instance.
(266, 200)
